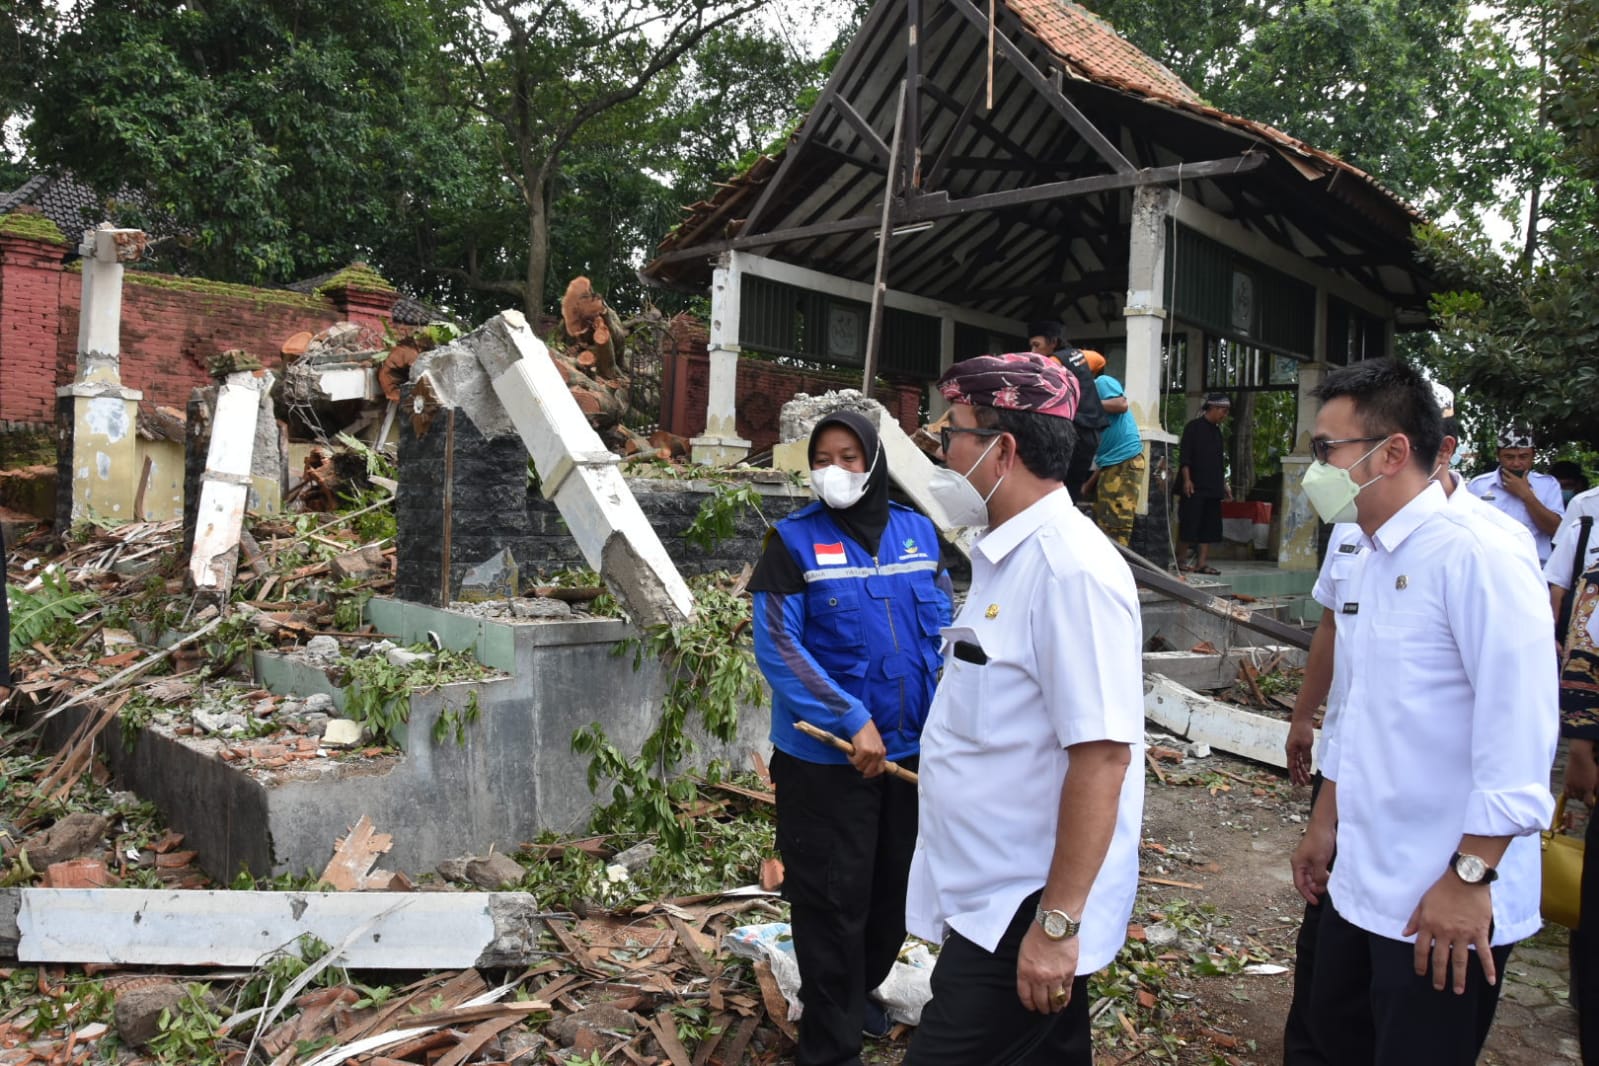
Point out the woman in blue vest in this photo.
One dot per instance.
(849, 599)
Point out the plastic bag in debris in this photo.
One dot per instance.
(903, 995)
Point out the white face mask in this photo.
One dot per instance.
(841, 489)
(963, 505)
(1332, 490)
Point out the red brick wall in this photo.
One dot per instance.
(171, 326)
(763, 388)
(30, 298)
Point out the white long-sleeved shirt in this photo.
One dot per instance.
(1346, 550)
(1449, 716)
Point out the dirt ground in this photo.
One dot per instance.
(1238, 844)
(1231, 834)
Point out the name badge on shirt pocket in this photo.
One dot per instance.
(1351, 608)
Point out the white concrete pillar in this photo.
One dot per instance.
(936, 404)
(105, 447)
(1299, 530)
(1145, 313)
(720, 445)
(1145, 316)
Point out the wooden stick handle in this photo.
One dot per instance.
(847, 748)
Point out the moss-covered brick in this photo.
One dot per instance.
(356, 276)
(32, 226)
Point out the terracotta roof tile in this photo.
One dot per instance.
(1098, 53)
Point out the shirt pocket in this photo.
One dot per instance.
(960, 699)
(834, 626)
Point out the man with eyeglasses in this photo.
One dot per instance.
(1032, 790)
(1436, 763)
(1324, 680)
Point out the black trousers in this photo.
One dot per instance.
(846, 843)
(1368, 1006)
(1585, 951)
(1299, 1047)
(976, 1019)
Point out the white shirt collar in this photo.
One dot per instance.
(1000, 541)
(1422, 506)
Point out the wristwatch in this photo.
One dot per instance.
(1058, 925)
(1472, 869)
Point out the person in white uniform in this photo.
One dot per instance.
(1323, 681)
(1514, 487)
(1437, 764)
(1026, 859)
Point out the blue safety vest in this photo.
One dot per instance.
(870, 624)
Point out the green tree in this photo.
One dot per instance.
(26, 33)
(1519, 335)
(559, 79)
(270, 139)
(1426, 95)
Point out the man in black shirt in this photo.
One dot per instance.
(1049, 340)
(1204, 485)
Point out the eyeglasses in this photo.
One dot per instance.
(948, 431)
(1322, 449)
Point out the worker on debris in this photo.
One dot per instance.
(1119, 463)
(1027, 857)
(849, 601)
(1048, 339)
(1436, 763)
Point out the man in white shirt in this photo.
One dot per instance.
(1437, 763)
(1026, 861)
(1324, 681)
(1531, 498)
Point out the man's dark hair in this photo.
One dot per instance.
(1044, 443)
(1451, 427)
(1390, 397)
(1561, 469)
(1050, 330)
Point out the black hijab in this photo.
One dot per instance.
(866, 520)
(863, 523)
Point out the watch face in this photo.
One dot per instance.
(1470, 868)
(1055, 924)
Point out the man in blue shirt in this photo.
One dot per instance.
(1120, 458)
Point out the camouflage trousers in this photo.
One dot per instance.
(1116, 498)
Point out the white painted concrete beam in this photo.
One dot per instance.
(167, 927)
(1186, 713)
(579, 474)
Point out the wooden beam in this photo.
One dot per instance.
(938, 205)
(862, 128)
(874, 327)
(913, 105)
(1068, 110)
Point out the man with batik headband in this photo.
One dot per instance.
(1531, 498)
(1026, 857)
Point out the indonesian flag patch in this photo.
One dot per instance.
(830, 554)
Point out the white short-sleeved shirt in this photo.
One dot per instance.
(1560, 570)
(1449, 717)
(1054, 609)
(1490, 489)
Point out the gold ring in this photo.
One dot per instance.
(1061, 995)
